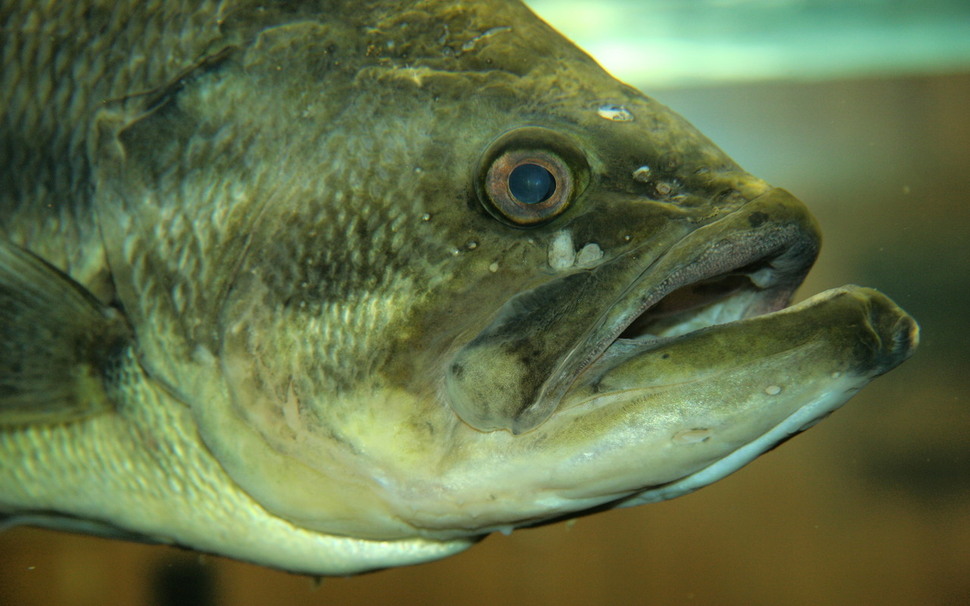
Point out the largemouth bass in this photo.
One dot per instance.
(334, 286)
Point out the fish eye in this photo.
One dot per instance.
(531, 183)
(528, 187)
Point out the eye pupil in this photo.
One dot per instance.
(531, 183)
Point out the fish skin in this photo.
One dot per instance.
(284, 203)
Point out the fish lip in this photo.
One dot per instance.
(785, 262)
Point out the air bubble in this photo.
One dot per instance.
(773, 390)
(589, 255)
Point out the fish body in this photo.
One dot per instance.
(336, 286)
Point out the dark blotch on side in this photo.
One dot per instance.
(757, 219)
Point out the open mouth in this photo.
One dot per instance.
(707, 302)
(726, 283)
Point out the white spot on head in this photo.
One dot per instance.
(589, 255)
(773, 390)
(493, 267)
(616, 113)
(562, 255)
(203, 357)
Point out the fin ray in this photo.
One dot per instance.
(55, 342)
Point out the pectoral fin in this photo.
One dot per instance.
(56, 342)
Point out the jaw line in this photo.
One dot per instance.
(805, 417)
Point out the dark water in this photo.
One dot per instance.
(870, 507)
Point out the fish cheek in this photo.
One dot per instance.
(502, 378)
(480, 379)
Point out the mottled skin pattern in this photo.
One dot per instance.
(333, 356)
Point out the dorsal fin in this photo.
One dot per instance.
(56, 341)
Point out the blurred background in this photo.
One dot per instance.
(862, 109)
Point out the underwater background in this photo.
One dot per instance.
(861, 108)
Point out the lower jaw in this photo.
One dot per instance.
(662, 423)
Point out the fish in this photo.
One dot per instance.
(339, 286)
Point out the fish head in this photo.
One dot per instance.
(466, 281)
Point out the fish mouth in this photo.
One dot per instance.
(710, 301)
(547, 345)
(694, 367)
(740, 267)
(702, 364)
(705, 294)
(706, 302)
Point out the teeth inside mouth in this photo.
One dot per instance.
(716, 300)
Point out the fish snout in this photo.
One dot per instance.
(893, 335)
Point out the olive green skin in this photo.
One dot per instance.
(339, 355)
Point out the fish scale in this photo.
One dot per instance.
(58, 68)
